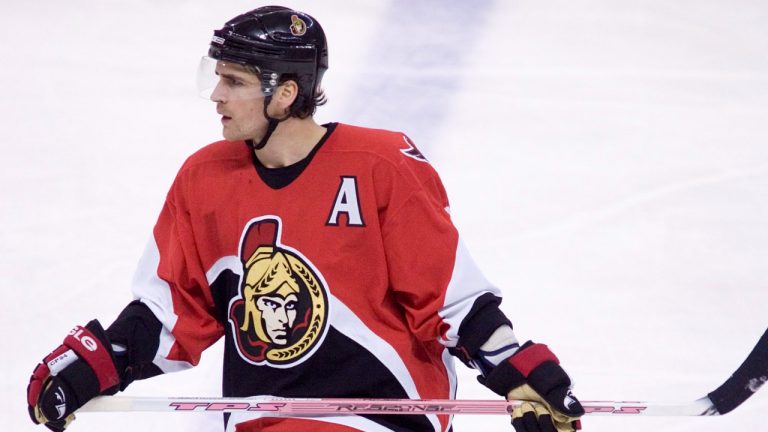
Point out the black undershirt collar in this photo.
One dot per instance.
(278, 178)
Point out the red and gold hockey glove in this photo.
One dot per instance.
(81, 368)
(533, 374)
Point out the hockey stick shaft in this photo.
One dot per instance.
(742, 384)
(317, 407)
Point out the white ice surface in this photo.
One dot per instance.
(606, 161)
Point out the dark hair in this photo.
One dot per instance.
(304, 107)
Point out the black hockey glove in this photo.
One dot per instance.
(80, 369)
(533, 374)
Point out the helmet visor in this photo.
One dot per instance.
(219, 80)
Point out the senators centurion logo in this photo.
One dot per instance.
(280, 315)
(298, 26)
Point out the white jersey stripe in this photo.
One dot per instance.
(231, 263)
(467, 283)
(156, 294)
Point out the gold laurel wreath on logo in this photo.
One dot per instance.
(316, 319)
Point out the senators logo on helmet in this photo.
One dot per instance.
(280, 315)
(298, 26)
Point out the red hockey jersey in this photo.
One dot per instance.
(349, 281)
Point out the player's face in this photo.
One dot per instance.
(240, 102)
(278, 315)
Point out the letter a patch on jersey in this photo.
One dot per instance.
(347, 202)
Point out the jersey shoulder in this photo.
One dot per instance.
(394, 158)
(384, 144)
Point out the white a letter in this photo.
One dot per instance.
(347, 202)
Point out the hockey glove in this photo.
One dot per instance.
(533, 374)
(80, 369)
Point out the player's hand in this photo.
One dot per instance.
(533, 374)
(81, 368)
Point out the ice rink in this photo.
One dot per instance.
(606, 161)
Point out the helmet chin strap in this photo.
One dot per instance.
(271, 126)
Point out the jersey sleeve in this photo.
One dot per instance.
(170, 281)
(443, 292)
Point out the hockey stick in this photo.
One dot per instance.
(747, 379)
(318, 407)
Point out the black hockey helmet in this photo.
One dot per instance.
(278, 41)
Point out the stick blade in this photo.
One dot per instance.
(747, 379)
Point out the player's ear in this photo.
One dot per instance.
(286, 94)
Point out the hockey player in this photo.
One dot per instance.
(323, 254)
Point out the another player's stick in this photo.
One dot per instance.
(747, 379)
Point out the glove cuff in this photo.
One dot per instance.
(92, 346)
(483, 319)
(514, 371)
